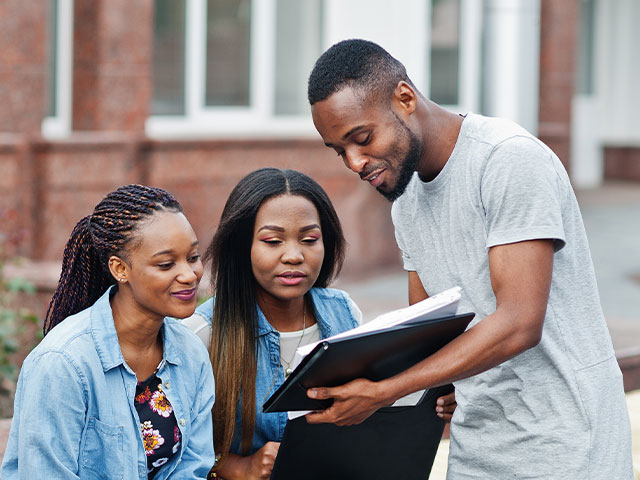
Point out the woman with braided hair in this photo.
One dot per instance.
(116, 389)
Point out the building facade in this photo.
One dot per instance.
(190, 95)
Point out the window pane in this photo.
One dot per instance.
(445, 51)
(584, 80)
(298, 44)
(228, 52)
(168, 58)
(51, 84)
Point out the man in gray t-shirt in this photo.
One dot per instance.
(482, 204)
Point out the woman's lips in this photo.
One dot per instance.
(291, 278)
(185, 295)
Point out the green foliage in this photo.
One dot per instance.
(13, 322)
(14, 319)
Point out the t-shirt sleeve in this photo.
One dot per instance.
(406, 259)
(522, 194)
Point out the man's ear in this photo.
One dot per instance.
(405, 97)
(118, 268)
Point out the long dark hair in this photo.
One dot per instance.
(235, 318)
(107, 231)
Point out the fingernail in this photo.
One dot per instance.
(439, 409)
(312, 393)
(440, 401)
(440, 415)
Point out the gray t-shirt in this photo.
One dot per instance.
(556, 410)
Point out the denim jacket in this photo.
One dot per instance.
(335, 312)
(74, 414)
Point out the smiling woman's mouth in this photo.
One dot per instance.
(185, 295)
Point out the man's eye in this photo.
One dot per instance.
(165, 266)
(194, 258)
(363, 141)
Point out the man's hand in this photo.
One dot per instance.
(445, 406)
(353, 402)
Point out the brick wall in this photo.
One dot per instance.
(71, 176)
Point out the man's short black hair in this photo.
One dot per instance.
(359, 64)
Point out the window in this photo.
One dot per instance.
(168, 58)
(240, 67)
(584, 72)
(57, 121)
(233, 66)
(298, 45)
(445, 51)
(228, 56)
(454, 51)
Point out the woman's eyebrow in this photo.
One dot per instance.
(310, 227)
(271, 227)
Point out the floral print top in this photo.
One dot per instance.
(160, 433)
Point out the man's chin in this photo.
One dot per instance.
(391, 195)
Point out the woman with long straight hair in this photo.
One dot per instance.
(116, 389)
(278, 245)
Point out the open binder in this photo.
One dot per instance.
(374, 355)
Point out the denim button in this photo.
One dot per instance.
(183, 422)
(167, 385)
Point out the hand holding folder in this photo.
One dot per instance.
(376, 350)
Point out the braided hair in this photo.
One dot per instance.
(107, 231)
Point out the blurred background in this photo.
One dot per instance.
(190, 95)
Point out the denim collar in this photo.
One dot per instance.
(105, 337)
(264, 327)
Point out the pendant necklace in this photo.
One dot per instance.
(288, 369)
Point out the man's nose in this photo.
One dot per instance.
(355, 161)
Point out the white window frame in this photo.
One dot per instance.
(59, 126)
(255, 120)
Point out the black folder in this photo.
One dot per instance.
(394, 442)
(372, 355)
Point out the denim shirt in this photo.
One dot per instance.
(335, 313)
(74, 414)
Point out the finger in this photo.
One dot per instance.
(321, 393)
(447, 408)
(319, 416)
(446, 399)
(445, 416)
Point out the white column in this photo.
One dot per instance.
(512, 60)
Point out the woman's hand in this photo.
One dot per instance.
(260, 464)
(253, 467)
(445, 406)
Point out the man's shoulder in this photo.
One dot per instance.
(493, 130)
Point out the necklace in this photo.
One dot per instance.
(288, 369)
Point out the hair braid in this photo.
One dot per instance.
(107, 231)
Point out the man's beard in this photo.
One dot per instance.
(407, 167)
